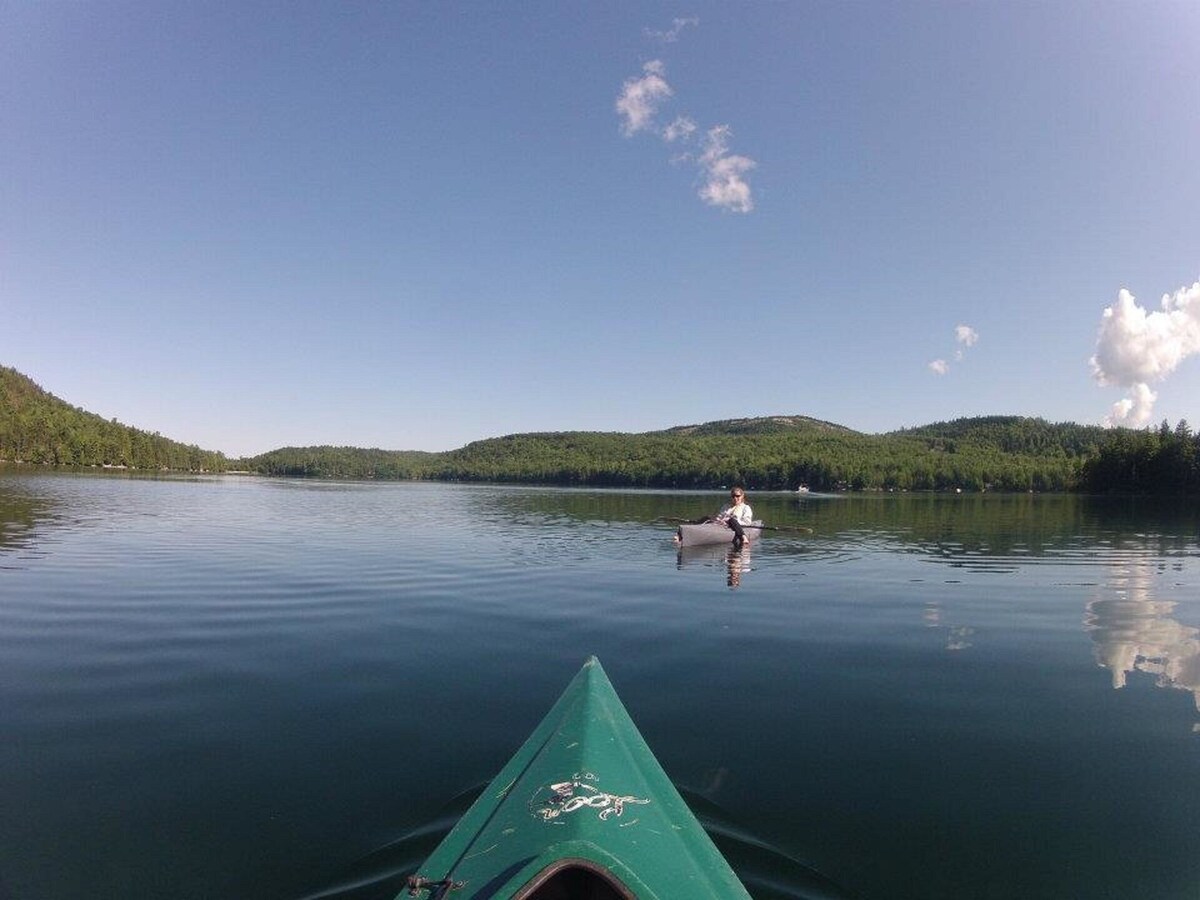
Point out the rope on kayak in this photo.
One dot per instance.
(418, 883)
(565, 799)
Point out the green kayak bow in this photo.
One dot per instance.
(583, 810)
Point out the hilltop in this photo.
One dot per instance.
(763, 425)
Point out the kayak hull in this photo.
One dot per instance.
(582, 799)
(690, 535)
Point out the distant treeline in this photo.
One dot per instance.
(822, 459)
(996, 453)
(992, 453)
(1163, 461)
(341, 462)
(38, 428)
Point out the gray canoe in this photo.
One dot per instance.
(714, 533)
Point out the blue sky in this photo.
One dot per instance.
(413, 225)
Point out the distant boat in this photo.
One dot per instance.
(803, 489)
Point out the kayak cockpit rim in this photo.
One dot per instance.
(569, 878)
(566, 879)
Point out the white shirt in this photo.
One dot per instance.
(740, 511)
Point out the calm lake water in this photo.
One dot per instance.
(229, 687)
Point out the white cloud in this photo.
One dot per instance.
(1134, 410)
(1139, 346)
(963, 334)
(1136, 347)
(641, 97)
(671, 35)
(681, 129)
(724, 185)
(722, 173)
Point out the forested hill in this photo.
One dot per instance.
(1002, 453)
(342, 462)
(37, 427)
(774, 453)
(1012, 434)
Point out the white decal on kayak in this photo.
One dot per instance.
(571, 796)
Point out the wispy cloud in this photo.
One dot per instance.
(681, 129)
(1135, 410)
(965, 336)
(640, 98)
(723, 174)
(671, 35)
(724, 185)
(1136, 347)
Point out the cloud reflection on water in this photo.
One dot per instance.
(1135, 632)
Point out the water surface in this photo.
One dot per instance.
(243, 688)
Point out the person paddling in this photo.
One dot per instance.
(734, 515)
